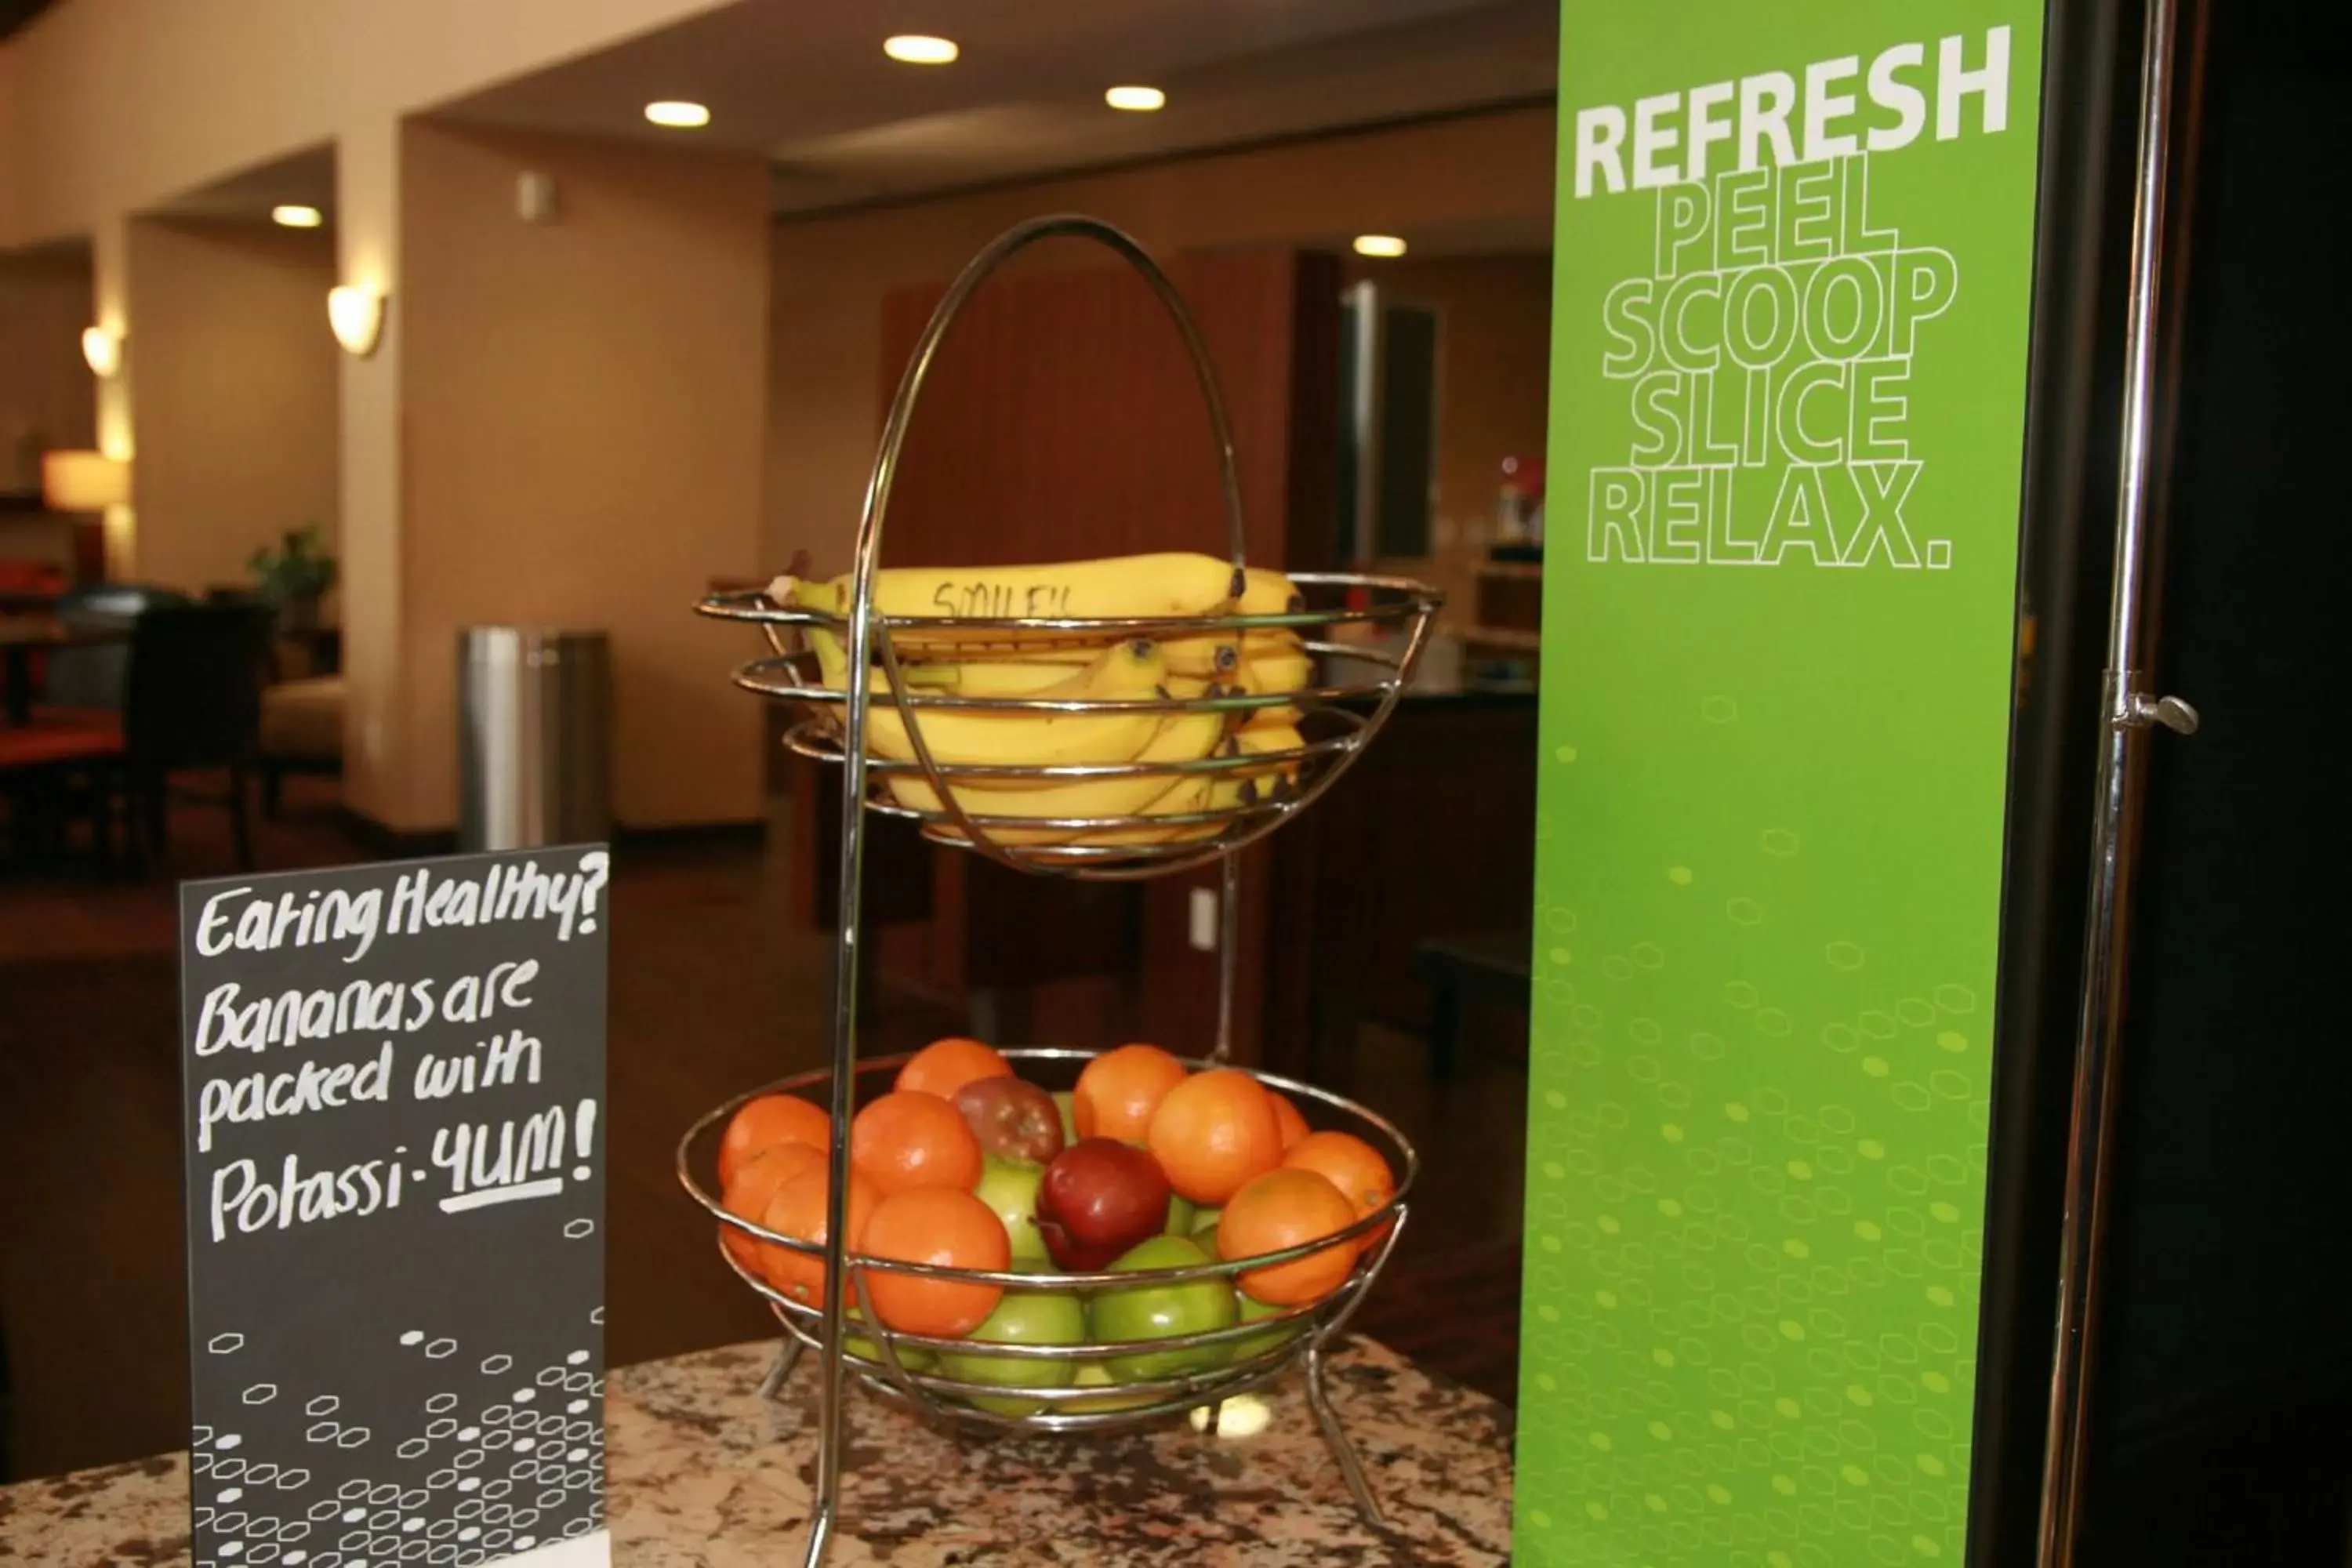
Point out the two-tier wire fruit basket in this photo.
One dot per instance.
(846, 665)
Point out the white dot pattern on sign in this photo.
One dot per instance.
(1662, 1168)
(455, 1519)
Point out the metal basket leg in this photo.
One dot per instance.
(1351, 1467)
(788, 1356)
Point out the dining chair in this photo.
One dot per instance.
(191, 698)
(93, 677)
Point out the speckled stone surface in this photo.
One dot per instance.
(705, 1474)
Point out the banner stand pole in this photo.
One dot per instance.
(2127, 710)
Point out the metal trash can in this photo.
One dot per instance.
(534, 737)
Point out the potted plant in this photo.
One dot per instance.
(293, 575)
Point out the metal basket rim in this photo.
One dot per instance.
(1417, 597)
(1216, 1268)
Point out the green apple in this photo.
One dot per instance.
(1066, 1102)
(1094, 1375)
(1010, 1189)
(1256, 1346)
(910, 1356)
(1022, 1317)
(1163, 1312)
(1181, 1214)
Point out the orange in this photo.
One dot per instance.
(908, 1138)
(799, 1210)
(1213, 1132)
(1119, 1090)
(944, 1067)
(1286, 1120)
(1289, 1207)
(937, 1226)
(771, 1118)
(1353, 1166)
(747, 1195)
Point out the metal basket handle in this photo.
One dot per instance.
(860, 651)
(895, 427)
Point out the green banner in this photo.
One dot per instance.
(1792, 281)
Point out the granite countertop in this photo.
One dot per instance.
(705, 1474)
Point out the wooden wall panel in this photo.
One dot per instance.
(1062, 420)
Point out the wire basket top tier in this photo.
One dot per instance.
(1142, 761)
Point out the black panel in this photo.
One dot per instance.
(2090, 96)
(2226, 1349)
(1408, 427)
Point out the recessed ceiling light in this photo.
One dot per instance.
(294, 215)
(920, 49)
(1379, 245)
(679, 114)
(1140, 99)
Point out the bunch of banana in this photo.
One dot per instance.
(1072, 666)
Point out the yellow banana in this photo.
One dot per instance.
(1259, 737)
(1265, 592)
(1224, 790)
(1280, 665)
(1130, 585)
(1129, 671)
(997, 678)
(1182, 738)
(1171, 584)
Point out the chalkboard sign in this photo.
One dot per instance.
(394, 1082)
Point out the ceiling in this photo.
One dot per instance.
(15, 13)
(305, 179)
(809, 87)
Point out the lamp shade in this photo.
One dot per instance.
(355, 312)
(102, 350)
(84, 481)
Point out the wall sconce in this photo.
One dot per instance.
(355, 311)
(102, 350)
(84, 481)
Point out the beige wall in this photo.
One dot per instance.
(234, 398)
(45, 386)
(1494, 386)
(831, 274)
(375, 722)
(45, 399)
(581, 433)
(115, 106)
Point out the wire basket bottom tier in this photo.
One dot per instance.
(1062, 1384)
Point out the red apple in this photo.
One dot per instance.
(1099, 1199)
(1013, 1119)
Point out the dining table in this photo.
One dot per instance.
(22, 637)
